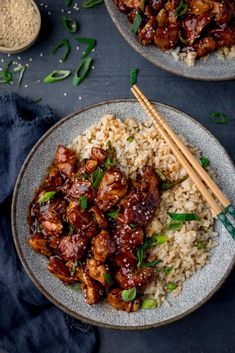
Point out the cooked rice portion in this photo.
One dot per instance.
(181, 253)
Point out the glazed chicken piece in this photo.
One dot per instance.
(81, 219)
(58, 268)
(157, 5)
(205, 46)
(128, 238)
(114, 298)
(91, 165)
(99, 155)
(103, 246)
(146, 34)
(54, 178)
(99, 217)
(93, 290)
(125, 259)
(143, 202)
(223, 12)
(121, 6)
(65, 160)
(50, 221)
(129, 279)
(131, 15)
(48, 214)
(193, 26)
(98, 270)
(73, 247)
(199, 7)
(133, 4)
(224, 37)
(40, 244)
(166, 37)
(81, 187)
(162, 18)
(112, 188)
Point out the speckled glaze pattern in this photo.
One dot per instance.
(212, 68)
(196, 290)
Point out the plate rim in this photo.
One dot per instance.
(159, 64)
(24, 261)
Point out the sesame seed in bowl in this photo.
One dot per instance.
(21, 23)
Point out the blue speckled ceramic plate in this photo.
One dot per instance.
(213, 68)
(196, 289)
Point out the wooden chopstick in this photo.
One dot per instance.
(172, 140)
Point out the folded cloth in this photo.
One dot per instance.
(29, 323)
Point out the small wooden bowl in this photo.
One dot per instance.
(31, 40)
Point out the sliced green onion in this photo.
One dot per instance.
(168, 269)
(70, 24)
(38, 228)
(96, 177)
(91, 43)
(71, 228)
(184, 41)
(109, 162)
(72, 270)
(56, 76)
(110, 148)
(160, 174)
(22, 71)
(91, 3)
(200, 244)
(81, 71)
(181, 9)
(219, 118)
(143, 5)
(158, 239)
(68, 2)
(152, 263)
(5, 74)
(129, 294)
(47, 196)
(130, 139)
(136, 23)
(204, 162)
(183, 216)
(133, 76)
(131, 225)
(83, 202)
(108, 278)
(112, 214)
(149, 303)
(75, 286)
(170, 185)
(175, 225)
(171, 286)
(63, 43)
(140, 254)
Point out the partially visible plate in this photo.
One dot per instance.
(196, 290)
(212, 68)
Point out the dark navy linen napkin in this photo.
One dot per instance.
(29, 323)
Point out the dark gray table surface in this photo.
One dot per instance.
(211, 328)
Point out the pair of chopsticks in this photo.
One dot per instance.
(194, 169)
